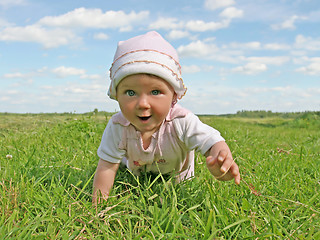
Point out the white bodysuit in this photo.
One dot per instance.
(171, 149)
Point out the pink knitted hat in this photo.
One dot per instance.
(148, 53)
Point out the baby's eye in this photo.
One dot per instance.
(155, 92)
(130, 93)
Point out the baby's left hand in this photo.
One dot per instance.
(221, 164)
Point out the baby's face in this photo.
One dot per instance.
(145, 101)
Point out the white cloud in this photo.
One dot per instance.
(287, 24)
(276, 46)
(209, 39)
(55, 31)
(65, 97)
(306, 60)
(177, 34)
(42, 70)
(249, 45)
(234, 53)
(207, 50)
(231, 12)
(127, 28)
(60, 72)
(307, 43)
(278, 60)
(26, 77)
(197, 49)
(190, 69)
(192, 25)
(63, 71)
(255, 45)
(166, 23)
(92, 77)
(231, 99)
(215, 4)
(251, 68)
(94, 18)
(201, 26)
(100, 36)
(298, 53)
(4, 23)
(195, 68)
(312, 69)
(49, 38)
(14, 75)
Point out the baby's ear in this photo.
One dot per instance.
(174, 99)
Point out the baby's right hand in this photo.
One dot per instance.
(223, 167)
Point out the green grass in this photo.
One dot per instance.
(45, 189)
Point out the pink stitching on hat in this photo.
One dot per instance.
(145, 61)
(148, 50)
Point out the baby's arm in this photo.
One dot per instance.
(103, 180)
(221, 164)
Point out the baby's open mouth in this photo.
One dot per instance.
(144, 118)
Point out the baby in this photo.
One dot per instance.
(152, 133)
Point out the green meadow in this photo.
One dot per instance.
(47, 164)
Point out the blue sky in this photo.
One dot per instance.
(235, 54)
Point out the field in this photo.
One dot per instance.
(47, 164)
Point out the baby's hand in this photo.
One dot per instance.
(223, 167)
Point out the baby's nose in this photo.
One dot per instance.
(143, 102)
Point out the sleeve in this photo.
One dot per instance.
(195, 134)
(109, 146)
